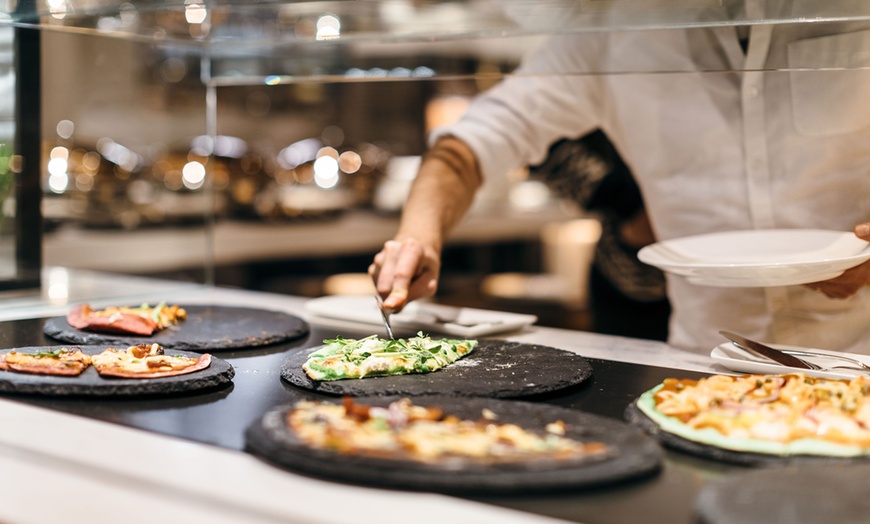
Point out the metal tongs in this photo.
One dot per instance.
(792, 357)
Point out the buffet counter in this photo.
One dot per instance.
(182, 460)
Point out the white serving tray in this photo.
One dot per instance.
(361, 312)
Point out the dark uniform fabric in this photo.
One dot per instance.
(626, 296)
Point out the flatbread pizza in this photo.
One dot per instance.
(61, 361)
(342, 358)
(142, 320)
(140, 361)
(405, 431)
(452, 444)
(146, 361)
(776, 415)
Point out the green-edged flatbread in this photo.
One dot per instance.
(777, 415)
(343, 358)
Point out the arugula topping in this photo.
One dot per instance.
(155, 314)
(45, 353)
(372, 356)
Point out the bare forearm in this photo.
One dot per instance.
(408, 266)
(442, 193)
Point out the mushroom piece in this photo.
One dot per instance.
(140, 351)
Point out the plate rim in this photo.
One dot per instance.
(647, 253)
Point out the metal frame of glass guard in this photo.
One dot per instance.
(28, 160)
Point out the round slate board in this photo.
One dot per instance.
(90, 383)
(636, 417)
(496, 368)
(632, 454)
(207, 328)
(789, 495)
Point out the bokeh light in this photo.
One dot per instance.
(193, 175)
(194, 12)
(328, 27)
(349, 162)
(326, 172)
(65, 129)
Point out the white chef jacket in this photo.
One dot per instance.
(715, 150)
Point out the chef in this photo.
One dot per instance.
(731, 137)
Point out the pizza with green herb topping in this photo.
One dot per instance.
(344, 358)
(141, 361)
(61, 361)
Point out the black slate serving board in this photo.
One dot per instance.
(496, 368)
(632, 453)
(90, 383)
(207, 328)
(636, 417)
(789, 495)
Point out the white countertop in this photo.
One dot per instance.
(101, 472)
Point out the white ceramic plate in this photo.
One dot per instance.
(735, 359)
(759, 258)
(361, 312)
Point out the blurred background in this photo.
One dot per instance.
(267, 169)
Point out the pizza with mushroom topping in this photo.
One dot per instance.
(405, 431)
(343, 358)
(146, 361)
(143, 320)
(781, 415)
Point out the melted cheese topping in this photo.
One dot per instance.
(406, 431)
(142, 359)
(348, 358)
(777, 414)
(64, 358)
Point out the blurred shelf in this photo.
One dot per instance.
(233, 242)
